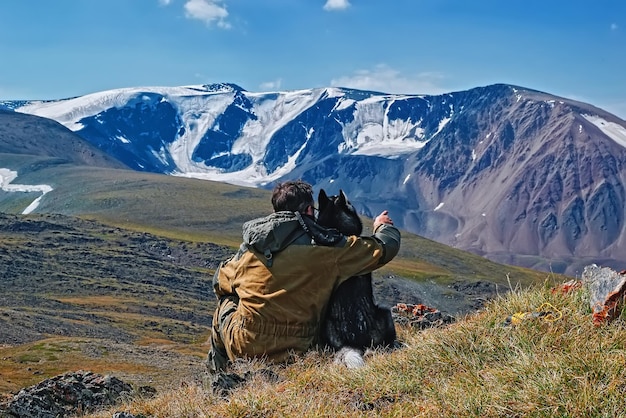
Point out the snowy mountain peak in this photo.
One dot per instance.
(222, 132)
(222, 88)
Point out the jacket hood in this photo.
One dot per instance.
(272, 233)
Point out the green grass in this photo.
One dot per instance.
(170, 206)
(476, 367)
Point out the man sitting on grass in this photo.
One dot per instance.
(273, 293)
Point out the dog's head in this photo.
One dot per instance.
(337, 212)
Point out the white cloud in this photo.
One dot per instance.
(336, 4)
(164, 2)
(209, 11)
(387, 80)
(614, 26)
(271, 85)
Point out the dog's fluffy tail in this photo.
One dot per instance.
(352, 358)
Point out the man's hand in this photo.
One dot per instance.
(383, 218)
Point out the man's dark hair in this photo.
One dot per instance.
(294, 196)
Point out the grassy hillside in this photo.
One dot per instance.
(113, 273)
(180, 207)
(560, 365)
(77, 294)
(200, 210)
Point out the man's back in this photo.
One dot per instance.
(281, 300)
(273, 292)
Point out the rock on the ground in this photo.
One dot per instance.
(66, 394)
(420, 316)
(607, 290)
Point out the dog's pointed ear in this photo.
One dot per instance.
(343, 199)
(322, 199)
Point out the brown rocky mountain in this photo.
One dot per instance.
(521, 174)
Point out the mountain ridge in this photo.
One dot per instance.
(507, 172)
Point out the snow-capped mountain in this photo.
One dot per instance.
(223, 133)
(508, 172)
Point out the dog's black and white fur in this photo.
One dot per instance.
(353, 321)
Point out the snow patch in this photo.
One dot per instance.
(196, 124)
(343, 104)
(373, 133)
(439, 206)
(69, 111)
(406, 179)
(613, 130)
(161, 155)
(553, 103)
(272, 115)
(6, 178)
(442, 124)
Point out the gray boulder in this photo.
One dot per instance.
(65, 395)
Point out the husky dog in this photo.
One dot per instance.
(353, 322)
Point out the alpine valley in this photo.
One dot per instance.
(516, 175)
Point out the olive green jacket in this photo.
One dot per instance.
(284, 280)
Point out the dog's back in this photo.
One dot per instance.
(353, 319)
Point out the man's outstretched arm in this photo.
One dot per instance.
(388, 235)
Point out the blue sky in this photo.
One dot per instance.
(53, 49)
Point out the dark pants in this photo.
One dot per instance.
(217, 359)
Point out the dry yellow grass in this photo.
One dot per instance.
(477, 367)
(25, 364)
(100, 300)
